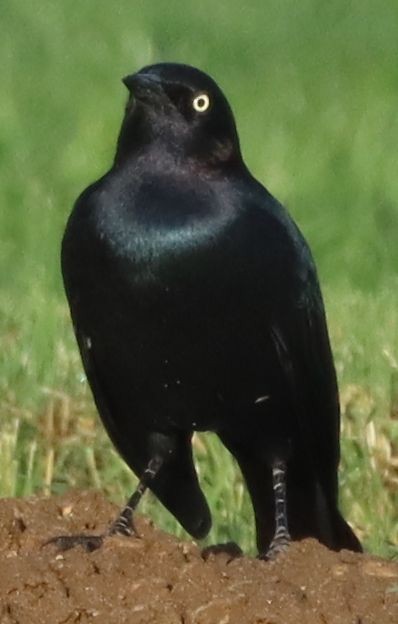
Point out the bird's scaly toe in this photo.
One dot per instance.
(277, 546)
(66, 542)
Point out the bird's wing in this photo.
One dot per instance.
(298, 333)
(102, 400)
(302, 346)
(176, 484)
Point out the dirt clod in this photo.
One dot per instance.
(157, 579)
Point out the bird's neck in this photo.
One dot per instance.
(164, 156)
(138, 139)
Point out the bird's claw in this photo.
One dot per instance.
(66, 542)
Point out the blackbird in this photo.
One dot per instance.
(196, 307)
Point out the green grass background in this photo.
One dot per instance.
(314, 87)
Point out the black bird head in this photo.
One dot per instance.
(184, 110)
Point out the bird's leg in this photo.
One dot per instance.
(123, 525)
(281, 538)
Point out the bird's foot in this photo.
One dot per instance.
(231, 549)
(122, 526)
(279, 545)
(66, 542)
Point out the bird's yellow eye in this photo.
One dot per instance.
(201, 103)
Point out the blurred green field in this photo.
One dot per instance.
(314, 87)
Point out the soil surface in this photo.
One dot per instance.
(159, 580)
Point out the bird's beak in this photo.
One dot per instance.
(143, 86)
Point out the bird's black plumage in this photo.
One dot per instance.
(196, 306)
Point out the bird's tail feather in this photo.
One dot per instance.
(345, 536)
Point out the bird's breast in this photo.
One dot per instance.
(175, 285)
(154, 218)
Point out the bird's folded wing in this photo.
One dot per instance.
(303, 351)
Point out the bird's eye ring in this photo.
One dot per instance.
(201, 103)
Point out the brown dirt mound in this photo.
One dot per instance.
(160, 580)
